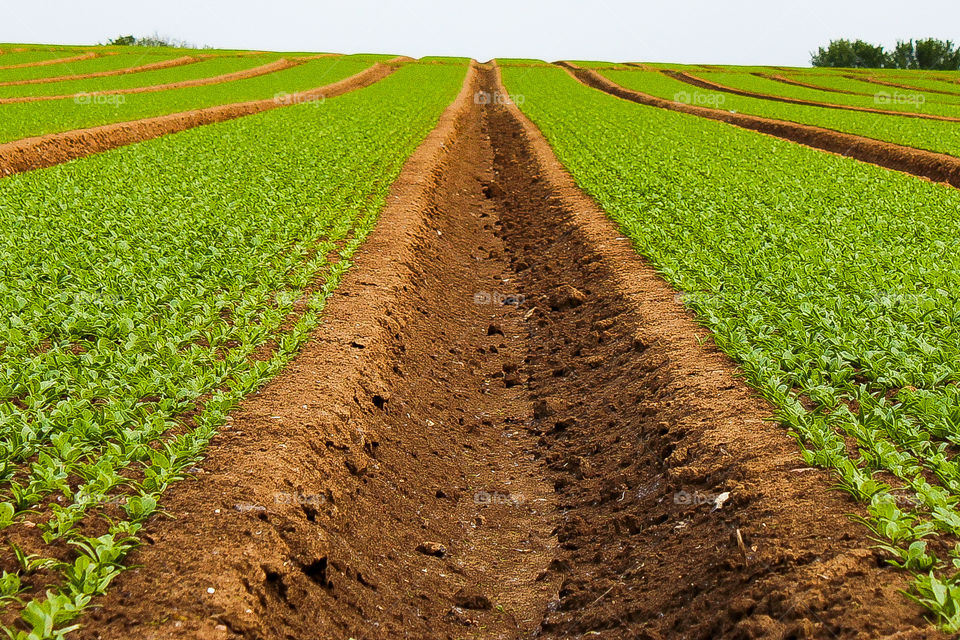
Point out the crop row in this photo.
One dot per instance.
(202, 69)
(921, 82)
(163, 280)
(932, 135)
(21, 120)
(831, 282)
(882, 97)
(90, 65)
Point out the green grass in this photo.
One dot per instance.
(138, 283)
(831, 282)
(931, 135)
(21, 120)
(202, 69)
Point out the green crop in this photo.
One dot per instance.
(24, 119)
(168, 279)
(882, 97)
(831, 282)
(89, 65)
(833, 81)
(201, 69)
(932, 135)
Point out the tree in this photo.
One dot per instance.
(936, 54)
(125, 41)
(844, 53)
(928, 53)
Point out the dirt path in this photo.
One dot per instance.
(43, 63)
(714, 86)
(505, 428)
(52, 149)
(270, 67)
(938, 167)
(153, 66)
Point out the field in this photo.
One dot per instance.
(307, 345)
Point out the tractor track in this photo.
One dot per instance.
(502, 429)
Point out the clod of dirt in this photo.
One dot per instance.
(493, 190)
(546, 407)
(566, 297)
(468, 600)
(432, 549)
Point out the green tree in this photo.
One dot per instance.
(846, 53)
(126, 41)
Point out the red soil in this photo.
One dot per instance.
(478, 469)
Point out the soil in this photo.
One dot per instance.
(153, 66)
(506, 427)
(937, 167)
(270, 67)
(52, 149)
(714, 86)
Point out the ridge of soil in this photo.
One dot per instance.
(885, 83)
(55, 148)
(43, 63)
(153, 66)
(937, 167)
(503, 428)
(270, 67)
(713, 86)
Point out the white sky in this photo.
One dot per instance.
(733, 32)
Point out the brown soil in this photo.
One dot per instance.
(441, 462)
(713, 86)
(52, 149)
(43, 63)
(270, 67)
(938, 167)
(153, 66)
(884, 83)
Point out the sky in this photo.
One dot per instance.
(699, 31)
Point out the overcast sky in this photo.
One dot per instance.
(737, 32)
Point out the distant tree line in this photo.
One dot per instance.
(928, 53)
(152, 41)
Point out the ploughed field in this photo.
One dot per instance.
(315, 345)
